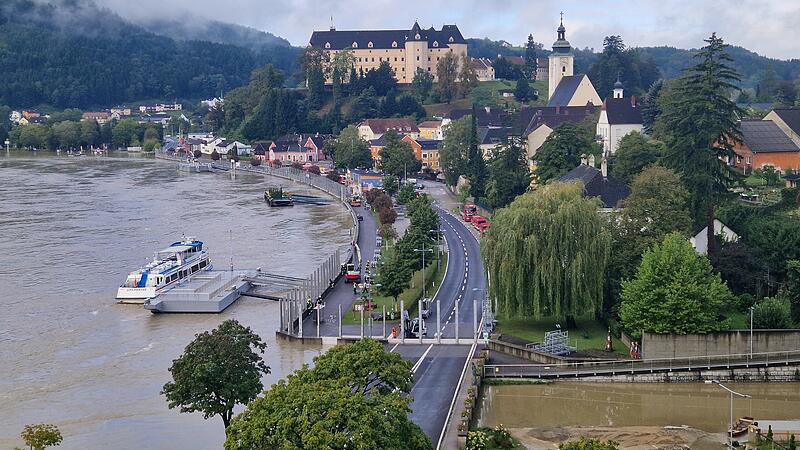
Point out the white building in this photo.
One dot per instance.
(565, 88)
(619, 116)
(700, 240)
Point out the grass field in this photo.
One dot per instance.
(589, 335)
(433, 278)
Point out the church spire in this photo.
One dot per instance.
(561, 30)
(562, 45)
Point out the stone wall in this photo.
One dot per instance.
(657, 346)
(776, 373)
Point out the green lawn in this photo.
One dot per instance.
(589, 335)
(738, 320)
(433, 279)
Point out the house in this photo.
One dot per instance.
(31, 114)
(700, 240)
(597, 183)
(371, 129)
(15, 117)
(261, 151)
(100, 117)
(483, 68)
(160, 107)
(543, 120)
(542, 69)
(431, 129)
(316, 143)
(788, 120)
(490, 138)
(225, 146)
(364, 180)
(404, 50)
(212, 102)
(121, 111)
(289, 148)
(423, 148)
(159, 118)
(375, 147)
(619, 116)
(484, 117)
(765, 144)
(565, 88)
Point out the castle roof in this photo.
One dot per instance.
(386, 39)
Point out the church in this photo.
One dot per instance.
(565, 88)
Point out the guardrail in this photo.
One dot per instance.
(620, 367)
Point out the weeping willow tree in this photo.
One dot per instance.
(546, 254)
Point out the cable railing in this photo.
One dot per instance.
(592, 368)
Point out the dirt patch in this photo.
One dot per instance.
(629, 438)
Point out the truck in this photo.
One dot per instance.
(468, 211)
(355, 200)
(352, 275)
(480, 223)
(412, 326)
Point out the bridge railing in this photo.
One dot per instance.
(640, 366)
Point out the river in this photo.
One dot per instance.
(619, 405)
(72, 228)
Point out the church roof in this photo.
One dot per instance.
(554, 116)
(791, 117)
(565, 90)
(623, 111)
(384, 39)
(607, 189)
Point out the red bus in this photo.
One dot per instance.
(469, 211)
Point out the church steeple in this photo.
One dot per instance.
(562, 44)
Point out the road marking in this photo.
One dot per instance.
(455, 394)
(419, 361)
(393, 348)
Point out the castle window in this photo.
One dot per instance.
(429, 69)
(373, 59)
(394, 44)
(327, 45)
(402, 59)
(435, 43)
(451, 39)
(395, 59)
(563, 69)
(416, 36)
(417, 57)
(369, 44)
(355, 45)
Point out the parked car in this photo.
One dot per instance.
(480, 223)
(360, 218)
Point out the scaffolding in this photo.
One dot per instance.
(555, 343)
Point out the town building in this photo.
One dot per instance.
(298, 148)
(364, 180)
(542, 65)
(483, 69)
(15, 117)
(404, 50)
(700, 240)
(765, 144)
(371, 129)
(539, 122)
(566, 88)
(431, 129)
(597, 183)
(491, 138)
(619, 116)
(121, 111)
(212, 102)
(160, 107)
(100, 117)
(788, 120)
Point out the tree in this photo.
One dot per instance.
(772, 314)
(588, 444)
(636, 71)
(41, 436)
(217, 371)
(408, 105)
(477, 172)
(382, 79)
(504, 70)
(349, 150)
(531, 65)
(215, 155)
(453, 150)
(366, 105)
(675, 290)
(198, 154)
(388, 106)
(562, 150)
(522, 90)
(341, 69)
(560, 250)
(422, 84)
(509, 175)
(447, 73)
(468, 78)
(387, 216)
(741, 268)
(768, 85)
(393, 276)
(793, 288)
(356, 396)
(650, 109)
(390, 185)
(406, 194)
(634, 153)
(313, 66)
(699, 123)
(397, 157)
(89, 133)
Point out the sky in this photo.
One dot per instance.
(768, 27)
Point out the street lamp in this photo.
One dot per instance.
(438, 232)
(751, 331)
(423, 250)
(732, 393)
(8, 145)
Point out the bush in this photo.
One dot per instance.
(387, 232)
(382, 201)
(215, 155)
(406, 194)
(387, 216)
(477, 440)
(297, 165)
(198, 154)
(333, 175)
(502, 438)
(314, 170)
(588, 444)
(772, 313)
(255, 162)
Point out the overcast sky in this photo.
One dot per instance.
(768, 27)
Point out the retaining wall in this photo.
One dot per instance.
(778, 373)
(733, 342)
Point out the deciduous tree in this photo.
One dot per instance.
(453, 150)
(634, 153)
(41, 436)
(447, 74)
(397, 157)
(349, 150)
(562, 150)
(675, 290)
(422, 84)
(217, 371)
(509, 175)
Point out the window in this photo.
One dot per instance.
(394, 44)
(429, 59)
(355, 45)
(416, 36)
(417, 57)
(327, 45)
(402, 59)
(435, 43)
(369, 44)
(451, 39)
(424, 156)
(373, 59)
(429, 69)
(395, 59)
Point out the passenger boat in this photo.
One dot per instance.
(169, 267)
(194, 166)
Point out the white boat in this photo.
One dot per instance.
(169, 266)
(194, 166)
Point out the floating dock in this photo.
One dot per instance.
(208, 292)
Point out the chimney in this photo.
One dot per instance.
(604, 167)
(584, 160)
(488, 109)
(633, 101)
(591, 160)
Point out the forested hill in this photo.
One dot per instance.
(74, 54)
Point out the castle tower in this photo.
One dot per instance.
(561, 60)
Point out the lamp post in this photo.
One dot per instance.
(751, 331)
(422, 250)
(732, 393)
(8, 145)
(438, 232)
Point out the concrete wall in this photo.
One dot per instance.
(777, 373)
(655, 346)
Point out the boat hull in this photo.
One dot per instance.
(129, 293)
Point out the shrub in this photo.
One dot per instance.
(381, 201)
(477, 440)
(255, 162)
(314, 170)
(772, 313)
(387, 216)
(333, 175)
(215, 155)
(387, 232)
(198, 154)
(297, 165)
(501, 437)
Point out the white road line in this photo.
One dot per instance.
(455, 395)
(419, 361)
(393, 348)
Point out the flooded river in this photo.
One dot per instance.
(72, 228)
(576, 404)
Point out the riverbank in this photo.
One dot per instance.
(628, 438)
